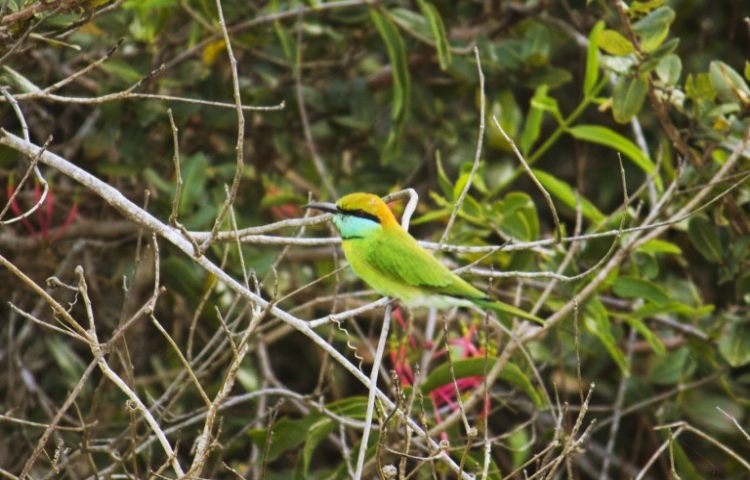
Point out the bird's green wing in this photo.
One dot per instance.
(400, 257)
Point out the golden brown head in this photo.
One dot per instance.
(366, 205)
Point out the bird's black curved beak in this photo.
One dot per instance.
(323, 207)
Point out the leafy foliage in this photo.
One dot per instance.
(648, 297)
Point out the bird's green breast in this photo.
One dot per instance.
(358, 252)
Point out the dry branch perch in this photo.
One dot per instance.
(144, 219)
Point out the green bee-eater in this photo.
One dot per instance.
(391, 261)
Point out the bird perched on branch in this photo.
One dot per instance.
(391, 261)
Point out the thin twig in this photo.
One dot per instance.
(373, 388)
(736, 423)
(689, 428)
(56, 419)
(177, 172)
(477, 152)
(239, 147)
(129, 95)
(32, 165)
(108, 372)
(617, 408)
(658, 452)
(545, 193)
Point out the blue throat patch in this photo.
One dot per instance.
(351, 227)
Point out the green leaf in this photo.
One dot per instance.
(123, 70)
(669, 68)
(651, 309)
(683, 461)
(285, 37)
(182, 276)
(548, 75)
(520, 447)
(248, 377)
(355, 407)
(145, 5)
(747, 70)
(123, 170)
(287, 434)
(66, 359)
(699, 87)
(596, 321)
(474, 462)
(446, 186)
(728, 83)
(433, 215)
(533, 126)
(671, 368)
(614, 43)
(607, 137)
(545, 103)
(705, 238)
(508, 114)
(155, 179)
(401, 82)
(592, 59)
(632, 287)
(438, 32)
(23, 84)
(316, 434)
(461, 182)
(475, 367)
(397, 58)
(410, 20)
(701, 401)
(734, 344)
(565, 193)
(654, 28)
(650, 63)
(653, 340)
(519, 217)
(202, 217)
(536, 44)
(645, 7)
(659, 246)
(193, 182)
(628, 97)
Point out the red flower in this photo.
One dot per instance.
(44, 212)
(465, 346)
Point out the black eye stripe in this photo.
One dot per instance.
(359, 213)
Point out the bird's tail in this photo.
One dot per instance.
(506, 309)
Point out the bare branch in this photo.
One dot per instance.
(373, 388)
(477, 152)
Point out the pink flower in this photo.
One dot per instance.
(465, 346)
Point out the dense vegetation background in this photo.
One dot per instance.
(134, 346)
